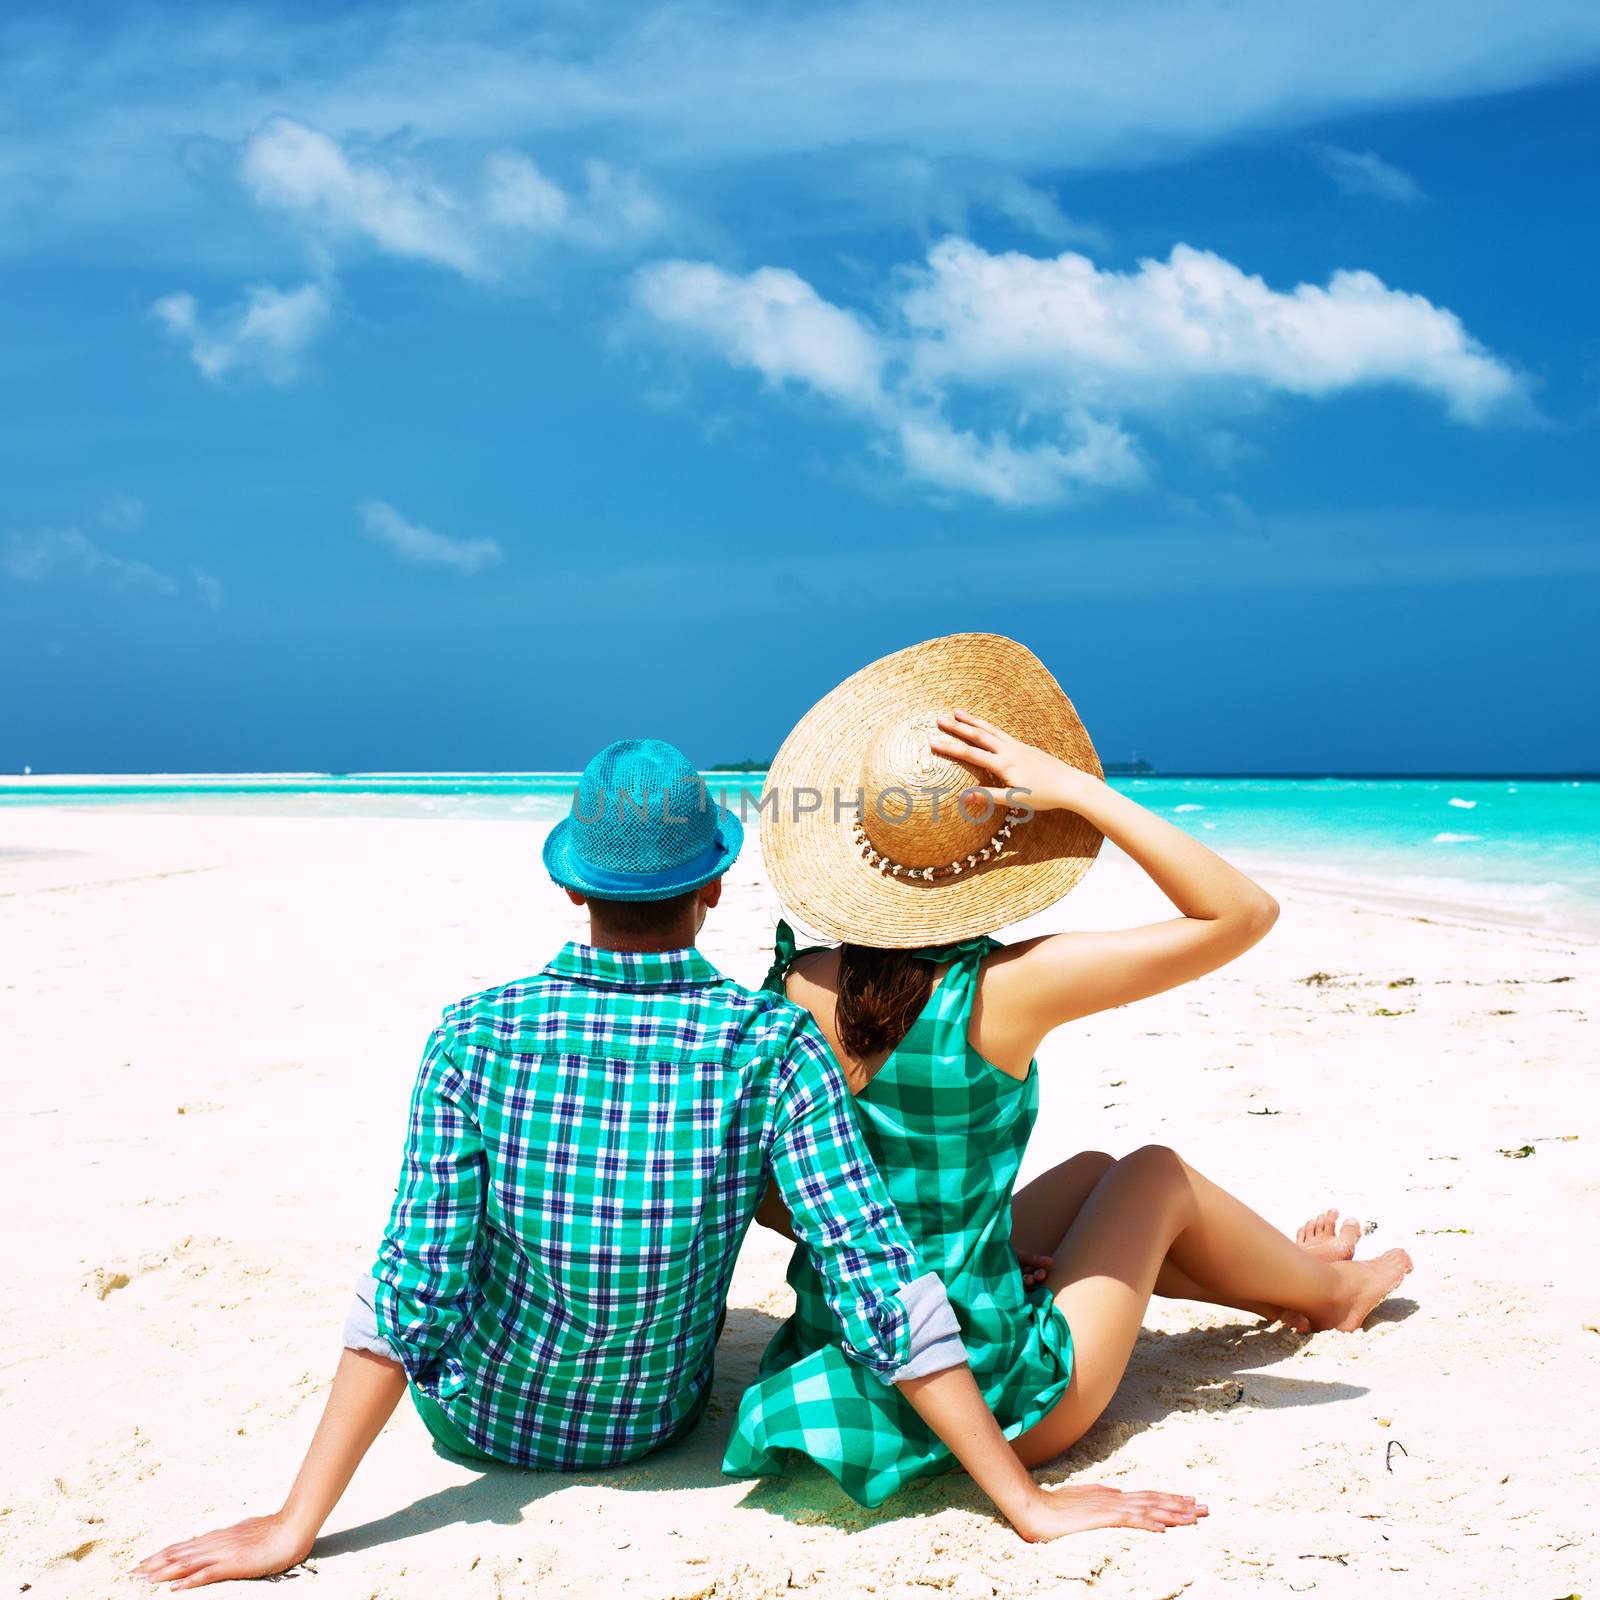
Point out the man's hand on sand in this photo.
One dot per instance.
(254, 1548)
(1078, 1507)
(366, 1389)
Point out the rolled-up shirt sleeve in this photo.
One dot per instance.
(896, 1318)
(361, 1324)
(423, 1278)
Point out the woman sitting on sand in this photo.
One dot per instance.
(937, 1025)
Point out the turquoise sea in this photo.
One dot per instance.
(1528, 848)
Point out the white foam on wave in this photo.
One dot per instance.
(1466, 805)
(1547, 903)
(1456, 838)
(1190, 807)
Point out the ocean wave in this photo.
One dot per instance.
(1544, 902)
(1456, 838)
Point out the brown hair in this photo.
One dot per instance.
(880, 994)
(641, 919)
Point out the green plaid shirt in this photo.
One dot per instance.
(585, 1152)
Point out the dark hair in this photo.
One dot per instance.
(641, 919)
(880, 994)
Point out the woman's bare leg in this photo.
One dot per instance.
(1044, 1209)
(1152, 1207)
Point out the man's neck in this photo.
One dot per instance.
(604, 939)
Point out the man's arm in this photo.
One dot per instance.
(773, 1215)
(424, 1266)
(892, 1313)
(365, 1391)
(419, 1299)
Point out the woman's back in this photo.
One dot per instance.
(947, 1127)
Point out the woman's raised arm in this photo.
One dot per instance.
(1041, 983)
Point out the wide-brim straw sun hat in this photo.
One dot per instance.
(863, 831)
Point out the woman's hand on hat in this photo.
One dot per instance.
(1025, 774)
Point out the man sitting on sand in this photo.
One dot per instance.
(585, 1151)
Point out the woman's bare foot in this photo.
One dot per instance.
(1325, 1239)
(1329, 1240)
(1366, 1285)
(1294, 1321)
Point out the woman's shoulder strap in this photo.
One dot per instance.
(950, 1009)
(785, 952)
(967, 954)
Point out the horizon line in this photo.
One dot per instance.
(33, 779)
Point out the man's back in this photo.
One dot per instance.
(586, 1149)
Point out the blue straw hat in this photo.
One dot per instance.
(643, 827)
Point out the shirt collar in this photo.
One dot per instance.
(634, 969)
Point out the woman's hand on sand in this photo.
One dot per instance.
(1078, 1507)
(1045, 782)
(258, 1547)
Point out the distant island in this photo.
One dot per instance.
(1137, 768)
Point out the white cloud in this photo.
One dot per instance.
(702, 86)
(398, 207)
(472, 222)
(210, 587)
(772, 322)
(618, 207)
(1037, 209)
(268, 331)
(1059, 329)
(415, 543)
(1099, 455)
(44, 554)
(889, 191)
(388, 198)
(1365, 173)
(520, 196)
(122, 513)
(1058, 357)
(35, 556)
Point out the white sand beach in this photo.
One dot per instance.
(209, 1026)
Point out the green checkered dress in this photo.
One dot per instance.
(948, 1131)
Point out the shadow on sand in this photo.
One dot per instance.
(502, 1494)
(1199, 1369)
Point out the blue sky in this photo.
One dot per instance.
(465, 386)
